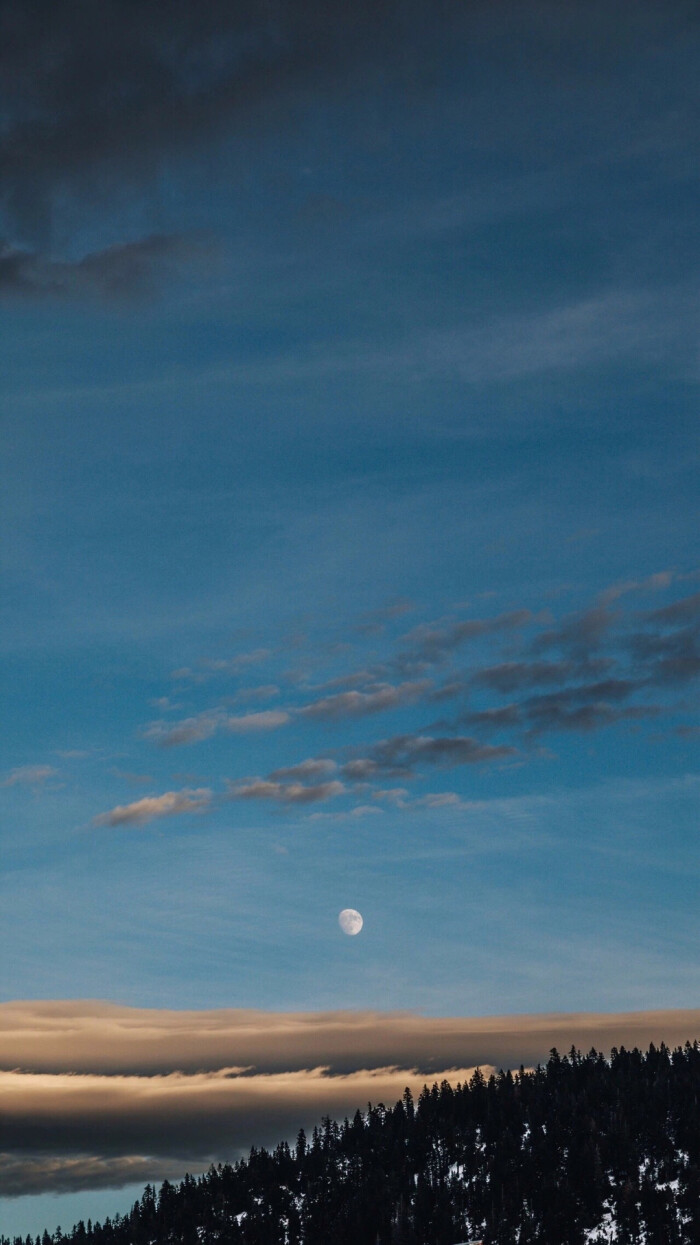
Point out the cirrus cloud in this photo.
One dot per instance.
(29, 776)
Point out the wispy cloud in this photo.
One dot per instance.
(306, 771)
(152, 807)
(354, 704)
(26, 1176)
(129, 270)
(580, 634)
(684, 611)
(265, 720)
(286, 792)
(600, 675)
(432, 643)
(374, 621)
(212, 721)
(29, 776)
(402, 753)
(510, 676)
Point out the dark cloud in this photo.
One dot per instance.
(26, 1176)
(556, 716)
(94, 96)
(197, 1117)
(683, 611)
(510, 676)
(668, 658)
(503, 718)
(131, 270)
(670, 650)
(375, 699)
(585, 708)
(580, 635)
(400, 754)
(431, 644)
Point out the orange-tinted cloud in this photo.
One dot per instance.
(98, 1037)
(96, 1094)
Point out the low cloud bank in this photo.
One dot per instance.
(99, 1038)
(98, 1095)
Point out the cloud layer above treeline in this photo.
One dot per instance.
(97, 1095)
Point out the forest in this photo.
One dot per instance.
(583, 1150)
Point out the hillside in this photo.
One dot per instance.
(582, 1151)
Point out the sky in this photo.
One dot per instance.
(348, 385)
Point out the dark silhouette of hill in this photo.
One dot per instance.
(582, 1151)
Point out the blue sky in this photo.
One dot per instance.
(348, 380)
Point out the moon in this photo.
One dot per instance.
(350, 921)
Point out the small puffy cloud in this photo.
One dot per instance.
(510, 676)
(354, 704)
(360, 769)
(393, 795)
(29, 776)
(205, 725)
(151, 807)
(287, 792)
(187, 731)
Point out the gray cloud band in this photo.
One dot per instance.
(106, 1095)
